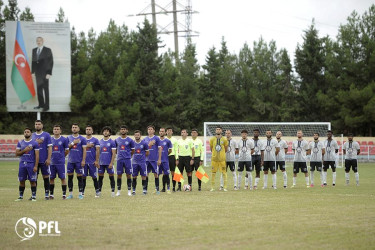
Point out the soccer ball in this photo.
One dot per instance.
(187, 188)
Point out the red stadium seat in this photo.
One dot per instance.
(363, 143)
(208, 146)
(15, 141)
(9, 141)
(2, 141)
(370, 143)
(372, 151)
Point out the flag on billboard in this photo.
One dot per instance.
(21, 74)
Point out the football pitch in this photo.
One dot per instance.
(341, 217)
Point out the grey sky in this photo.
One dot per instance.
(239, 21)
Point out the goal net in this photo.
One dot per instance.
(289, 130)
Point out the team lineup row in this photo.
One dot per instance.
(269, 155)
(88, 156)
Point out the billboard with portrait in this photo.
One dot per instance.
(38, 74)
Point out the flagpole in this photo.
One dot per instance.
(38, 116)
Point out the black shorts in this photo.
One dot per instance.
(197, 162)
(231, 165)
(327, 164)
(299, 165)
(269, 165)
(172, 162)
(242, 164)
(256, 161)
(184, 163)
(315, 165)
(281, 165)
(353, 163)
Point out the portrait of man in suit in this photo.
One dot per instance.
(41, 69)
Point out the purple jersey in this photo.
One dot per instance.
(29, 156)
(154, 149)
(59, 146)
(106, 147)
(91, 152)
(76, 153)
(140, 152)
(166, 144)
(124, 148)
(43, 147)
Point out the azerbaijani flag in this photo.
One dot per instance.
(202, 175)
(21, 74)
(178, 176)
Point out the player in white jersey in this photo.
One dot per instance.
(280, 157)
(329, 159)
(351, 150)
(245, 150)
(301, 149)
(271, 151)
(257, 156)
(317, 151)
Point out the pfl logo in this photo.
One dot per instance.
(26, 228)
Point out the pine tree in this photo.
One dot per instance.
(309, 64)
(26, 15)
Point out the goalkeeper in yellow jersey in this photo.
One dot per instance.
(219, 146)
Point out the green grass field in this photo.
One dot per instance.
(336, 218)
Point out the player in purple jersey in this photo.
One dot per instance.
(28, 149)
(166, 149)
(125, 151)
(107, 159)
(45, 151)
(60, 149)
(139, 161)
(153, 160)
(76, 159)
(92, 160)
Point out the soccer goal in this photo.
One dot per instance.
(289, 130)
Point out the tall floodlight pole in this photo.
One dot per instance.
(188, 18)
(175, 29)
(176, 8)
(153, 12)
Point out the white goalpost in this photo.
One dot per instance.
(289, 130)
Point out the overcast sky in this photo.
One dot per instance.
(238, 21)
